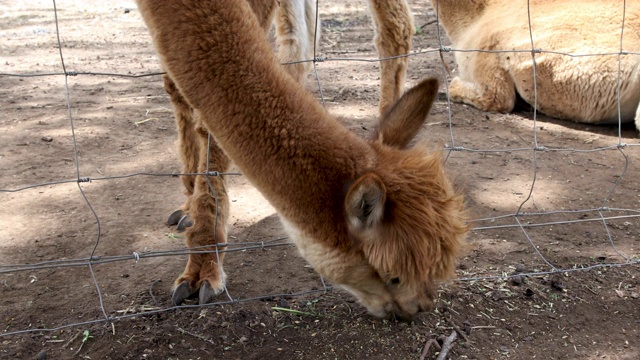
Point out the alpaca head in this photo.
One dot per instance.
(405, 214)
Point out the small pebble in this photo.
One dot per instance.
(516, 280)
(557, 283)
(283, 303)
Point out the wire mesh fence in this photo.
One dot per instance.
(520, 218)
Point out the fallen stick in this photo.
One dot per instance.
(444, 64)
(151, 291)
(72, 339)
(144, 121)
(483, 327)
(428, 23)
(195, 335)
(427, 346)
(446, 346)
(79, 349)
(459, 331)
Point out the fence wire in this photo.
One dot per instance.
(519, 219)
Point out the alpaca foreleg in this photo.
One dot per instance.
(637, 118)
(394, 33)
(188, 147)
(487, 96)
(297, 28)
(209, 211)
(264, 10)
(483, 83)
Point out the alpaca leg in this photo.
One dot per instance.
(207, 203)
(209, 210)
(490, 95)
(264, 10)
(484, 84)
(296, 30)
(188, 146)
(637, 119)
(312, 23)
(394, 32)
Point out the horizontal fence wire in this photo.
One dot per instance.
(516, 220)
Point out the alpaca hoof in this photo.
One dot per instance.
(181, 293)
(207, 293)
(175, 217)
(184, 223)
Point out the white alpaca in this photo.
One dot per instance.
(393, 25)
(582, 88)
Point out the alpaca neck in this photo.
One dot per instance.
(295, 154)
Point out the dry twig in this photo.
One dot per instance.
(460, 332)
(444, 64)
(79, 349)
(151, 291)
(428, 23)
(446, 346)
(427, 346)
(72, 339)
(195, 335)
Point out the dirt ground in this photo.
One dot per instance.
(125, 126)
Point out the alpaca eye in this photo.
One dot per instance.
(395, 281)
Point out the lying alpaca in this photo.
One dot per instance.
(376, 217)
(582, 89)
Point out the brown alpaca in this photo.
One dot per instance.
(297, 28)
(195, 145)
(376, 217)
(583, 88)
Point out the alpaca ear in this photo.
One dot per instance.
(365, 202)
(403, 120)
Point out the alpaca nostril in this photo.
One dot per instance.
(404, 314)
(403, 317)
